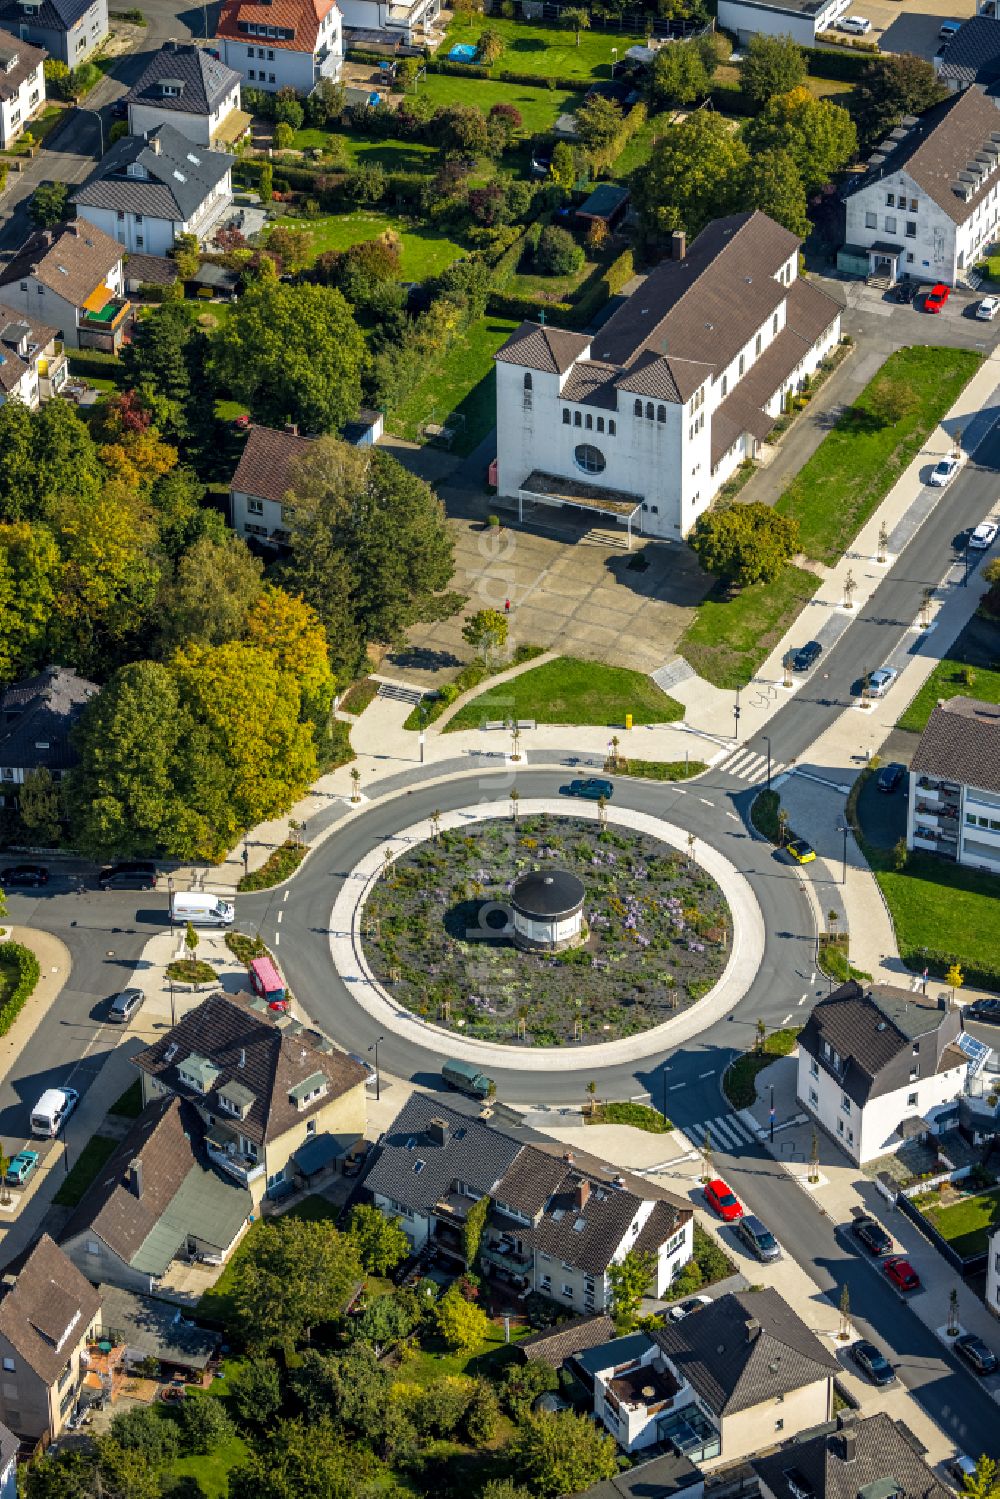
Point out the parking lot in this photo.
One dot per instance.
(913, 27)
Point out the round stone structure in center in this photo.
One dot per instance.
(548, 909)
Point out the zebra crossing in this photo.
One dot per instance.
(747, 765)
(726, 1131)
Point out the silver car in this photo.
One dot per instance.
(880, 681)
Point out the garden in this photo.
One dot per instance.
(545, 51)
(657, 930)
(963, 1213)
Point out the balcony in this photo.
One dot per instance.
(103, 326)
(503, 1256)
(224, 1150)
(53, 372)
(109, 316)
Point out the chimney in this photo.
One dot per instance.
(849, 1438)
(243, 1056)
(438, 1131)
(135, 1176)
(582, 1193)
(154, 141)
(678, 245)
(568, 1157)
(753, 1330)
(292, 428)
(943, 1001)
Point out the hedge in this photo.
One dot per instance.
(28, 973)
(96, 363)
(937, 961)
(503, 75)
(576, 314)
(836, 62)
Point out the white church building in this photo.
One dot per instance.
(644, 420)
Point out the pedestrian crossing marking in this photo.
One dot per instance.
(725, 1130)
(748, 765)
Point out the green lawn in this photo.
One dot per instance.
(464, 382)
(638, 1115)
(551, 288)
(729, 637)
(88, 1163)
(129, 1104)
(488, 1358)
(946, 680)
(640, 147)
(570, 691)
(739, 1082)
(394, 155)
(545, 50)
(217, 1304)
(942, 912)
(859, 461)
(539, 107)
(966, 1225)
(426, 252)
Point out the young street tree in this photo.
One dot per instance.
(486, 631)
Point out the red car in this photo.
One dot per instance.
(936, 297)
(901, 1273)
(723, 1200)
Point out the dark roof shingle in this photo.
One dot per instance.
(962, 743)
(178, 176)
(37, 716)
(554, 1345)
(48, 1309)
(205, 80)
(22, 61)
(881, 1451)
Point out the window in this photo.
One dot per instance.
(589, 422)
(567, 1291)
(871, 220)
(270, 54)
(725, 383)
(890, 200)
(649, 411)
(779, 1425)
(566, 418)
(914, 1072)
(527, 382)
(814, 1068)
(600, 424)
(840, 1126)
(845, 1103)
(611, 428)
(743, 363)
(250, 54)
(774, 324)
(527, 393)
(913, 204)
(589, 458)
(661, 413)
(270, 77)
(911, 1100)
(911, 228)
(250, 74)
(577, 419)
(916, 1048)
(139, 241)
(93, 1247)
(814, 1098)
(890, 224)
(310, 1128)
(9, 1366)
(757, 345)
(255, 507)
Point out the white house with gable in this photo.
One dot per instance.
(644, 420)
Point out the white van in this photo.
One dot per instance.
(200, 909)
(52, 1110)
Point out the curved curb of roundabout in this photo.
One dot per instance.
(351, 964)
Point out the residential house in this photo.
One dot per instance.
(668, 1476)
(633, 1388)
(48, 1311)
(927, 205)
(68, 30)
(9, 1448)
(750, 1374)
(408, 22)
(286, 44)
(22, 85)
(33, 367)
(643, 421)
(189, 88)
(71, 279)
(802, 20)
(149, 189)
(37, 717)
(558, 1220)
(873, 1458)
(971, 56)
(261, 483)
(954, 804)
(263, 1084)
(556, 1345)
(992, 1297)
(872, 1059)
(158, 1199)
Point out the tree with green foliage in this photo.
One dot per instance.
(491, 46)
(385, 1323)
(486, 631)
(48, 204)
(482, 1414)
(599, 123)
(984, 1482)
(125, 1472)
(695, 173)
(504, 1488)
(771, 65)
(891, 86)
(462, 1324)
(204, 1425)
(304, 1460)
(440, 1407)
(325, 104)
(283, 136)
(47, 453)
(575, 18)
(39, 807)
(293, 1275)
(562, 1453)
(185, 254)
(819, 136)
(557, 252)
(472, 1231)
(744, 544)
(181, 518)
(521, 1385)
(381, 1241)
(681, 74)
(255, 1392)
(265, 183)
(629, 1280)
(214, 589)
(288, 108)
(293, 353)
(68, 1475)
(30, 577)
(774, 186)
(564, 169)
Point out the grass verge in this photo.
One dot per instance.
(859, 461)
(357, 698)
(730, 637)
(470, 676)
(663, 770)
(738, 1082)
(462, 384)
(638, 1115)
(833, 960)
(284, 861)
(710, 1264)
(92, 1157)
(190, 971)
(950, 679)
(129, 1104)
(571, 691)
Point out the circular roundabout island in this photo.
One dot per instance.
(544, 931)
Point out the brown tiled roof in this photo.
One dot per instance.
(47, 1311)
(12, 366)
(554, 1345)
(552, 350)
(962, 743)
(301, 16)
(881, 1451)
(673, 380)
(266, 463)
(591, 384)
(28, 59)
(151, 270)
(255, 1051)
(940, 146)
(73, 261)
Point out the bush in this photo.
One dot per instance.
(28, 973)
(283, 135)
(205, 1425)
(94, 362)
(144, 1431)
(280, 865)
(190, 971)
(558, 253)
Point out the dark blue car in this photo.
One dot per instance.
(592, 789)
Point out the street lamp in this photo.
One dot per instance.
(736, 716)
(770, 1115)
(842, 827)
(614, 54)
(767, 740)
(378, 1076)
(100, 123)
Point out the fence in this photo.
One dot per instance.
(972, 1264)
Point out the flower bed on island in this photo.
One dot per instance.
(657, 931)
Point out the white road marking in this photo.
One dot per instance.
(710, 1073)
(733, 816)
(286, 895)
(786, 1019)
(803, 999)
(277, 938)
(675, 1086)
(637, 1097)
(812, 978)
(705, 802)
(280, 914)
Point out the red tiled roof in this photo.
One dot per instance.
(303, 17)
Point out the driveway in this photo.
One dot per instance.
(913, 27)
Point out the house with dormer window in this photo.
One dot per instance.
(187, 87)
(264, 1086)
(68, 30)
(22, 86)
(48, 1313)
(276, 44)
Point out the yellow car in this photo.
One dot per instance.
(801, 851)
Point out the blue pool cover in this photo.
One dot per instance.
(463, 52)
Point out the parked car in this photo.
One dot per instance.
(986, 1011)
(759, 1240)
(685, 1308)
(801, 851)
(880, 681)
(21, 1167)
(977, 1354)
(873, 1363)
(591, 789)
(902, 1274)
(948, 29)
(52, 1110)
(723, 1200)
(946, 470)
(805, 658)
(936, 297)
(872, 1235)
(984, 536)
(119, 109)
(903, 291)
(856, 25)
(24, 874)
(121, 1007)
(139, 874)
(988, 309)
(890, 776)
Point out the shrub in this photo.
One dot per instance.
(283, 135)
(190, 971)
(28, 973)
(205, 1425)
(558, 253)
(280, 865)
(144, 1431)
